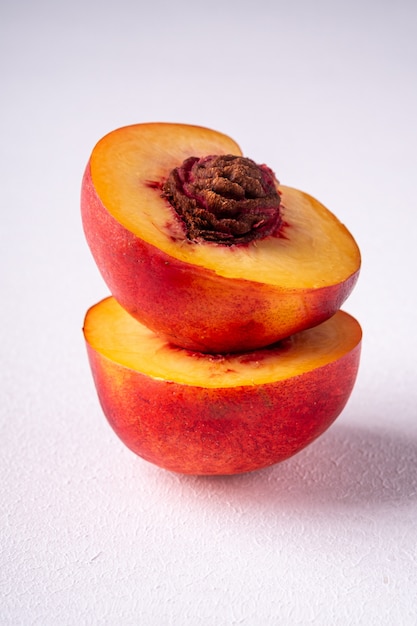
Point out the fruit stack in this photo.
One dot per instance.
(222, 348)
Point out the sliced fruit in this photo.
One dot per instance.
(205, 295)
(196, 413)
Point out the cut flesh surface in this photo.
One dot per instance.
(312, 249)
(114, 334)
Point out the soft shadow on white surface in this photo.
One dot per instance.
(349, 466)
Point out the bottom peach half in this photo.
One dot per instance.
(197, 413)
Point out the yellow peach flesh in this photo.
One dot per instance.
(114, 334)
(315, 249)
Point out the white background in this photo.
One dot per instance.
(326, 94)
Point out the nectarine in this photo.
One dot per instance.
(197, 413)
(192, 257)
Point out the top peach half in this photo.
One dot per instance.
(205, 295)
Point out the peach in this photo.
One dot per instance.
(209, 295)
(197, 413)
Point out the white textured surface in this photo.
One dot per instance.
(326, 95)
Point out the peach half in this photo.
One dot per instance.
(200, 294)
(196, 413)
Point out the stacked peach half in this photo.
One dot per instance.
(222, 348)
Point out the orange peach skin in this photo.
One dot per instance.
(196, 430)
(190, 305)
